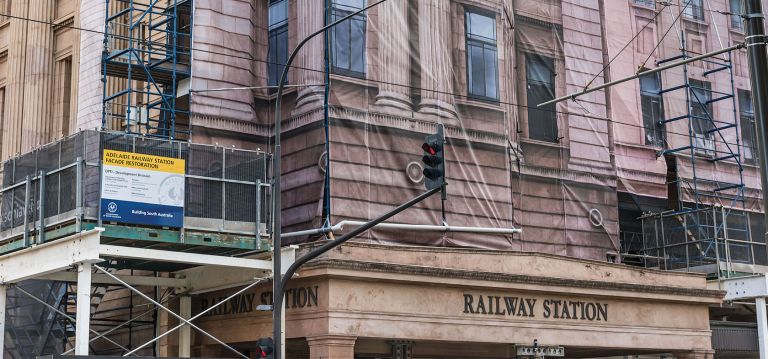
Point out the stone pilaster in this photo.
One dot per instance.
(331, 347)
(309, 18)
(87, 65)
(14, 111)
(435, 58)
(394, 56)
(38, 76)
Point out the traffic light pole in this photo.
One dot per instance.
(338, 241)
(277, 305)
(758, 71)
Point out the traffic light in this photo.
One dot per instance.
(434, 159)
(264, 348)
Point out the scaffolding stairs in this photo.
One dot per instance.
(708, 137)
(708, 222)
(34, 329)
(145, 64)
(30, 335)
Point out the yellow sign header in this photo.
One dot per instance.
(143, 162)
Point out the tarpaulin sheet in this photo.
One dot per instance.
(363, 96)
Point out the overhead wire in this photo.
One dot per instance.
(411, 87)
(651, 21)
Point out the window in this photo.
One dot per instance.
(652, 106)
(747, 123)
(62, 98)
(482, 59)
(694, 10)
(702, 117)
(648, 3)
(540, 80)
(348, 39)
(278, 40)
(737, 8)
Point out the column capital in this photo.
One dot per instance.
(331, 347)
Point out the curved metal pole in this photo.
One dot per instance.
(277, 305)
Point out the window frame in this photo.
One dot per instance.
(339, 11)
(485, 44)
(695, 11)
(551, 64)
(659, 130)
(274, 31)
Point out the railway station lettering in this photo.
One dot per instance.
(535, 308)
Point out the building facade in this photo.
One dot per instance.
(657, 172)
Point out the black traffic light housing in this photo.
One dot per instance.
(434, 159)
(265, 348)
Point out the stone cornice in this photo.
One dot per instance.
(642, 176)
(568, 175)
(417, 125)
(354, 115)
(227, 124)
(360, 266)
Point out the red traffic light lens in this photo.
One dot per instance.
(429, 149)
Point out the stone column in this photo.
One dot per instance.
(696, 354)
(309, 18)
(331, 347)
(435, 58)
(394, 55)
(38, 77)
(14, 110)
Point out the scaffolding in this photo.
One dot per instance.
(707, 228)
(52, 196)
(146, 67)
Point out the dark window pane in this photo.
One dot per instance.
(649, 3)
(737, 8)
(748, 129)
(695, 9)
(341, 45)
(480, 25)
(650, 84)
(701, 110)
(277, 54)
(542, 121)
(476, 72)
(278, 13)
(652, 108)
(539, 70)
(350, 4)
(357, 46)
(491, 73)
(348, 39)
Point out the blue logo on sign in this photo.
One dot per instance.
(112, 207)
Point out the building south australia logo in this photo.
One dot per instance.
(112, 207)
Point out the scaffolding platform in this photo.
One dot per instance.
(74, 258)
(225, 209)
(62, 250)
